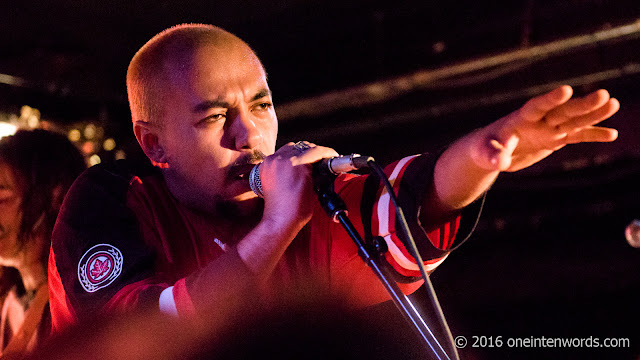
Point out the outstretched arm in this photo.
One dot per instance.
(543, 125)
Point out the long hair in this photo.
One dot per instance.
(45, 164)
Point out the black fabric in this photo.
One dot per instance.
(414, 186)
(95, 212)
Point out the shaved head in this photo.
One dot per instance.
(201, 106)
(162, 61)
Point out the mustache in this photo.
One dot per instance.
(254, 157)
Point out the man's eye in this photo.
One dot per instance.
(264, 106)
(213, 118)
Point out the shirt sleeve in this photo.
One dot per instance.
(411, 179)
(110, 254)
(374, 215)
(97, 257)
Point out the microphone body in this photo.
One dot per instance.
(333, 166)
(344, 163)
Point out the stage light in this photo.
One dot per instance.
(7, 129)
(94, 160)
(88, 147)
(74, 135)
(90, 131)
(109, 144)
(33, 122)
(30, 117)
(120, 155)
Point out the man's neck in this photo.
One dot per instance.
(230, 225)
(232, 220)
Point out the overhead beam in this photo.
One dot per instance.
(382, 91)
(370, 124)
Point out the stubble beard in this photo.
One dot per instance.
(246, 209)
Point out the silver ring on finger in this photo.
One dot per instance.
(301, 146)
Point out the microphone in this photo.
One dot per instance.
(335, 165)
(344, 163)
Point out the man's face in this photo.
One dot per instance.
(218, 113)
(10, 215)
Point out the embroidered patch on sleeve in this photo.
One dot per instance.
(99, 267)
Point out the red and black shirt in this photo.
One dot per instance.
(122, 241)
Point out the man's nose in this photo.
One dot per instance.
(247, 135)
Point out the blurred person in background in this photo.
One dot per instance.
(37, 168)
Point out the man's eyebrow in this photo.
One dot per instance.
(260, 94)
(218, 103)
(210, 104)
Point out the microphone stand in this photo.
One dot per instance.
(335, 207)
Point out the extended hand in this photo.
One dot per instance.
(543, 125)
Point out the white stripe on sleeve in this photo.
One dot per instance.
(383, 201)
(403, 261)
(167, 302)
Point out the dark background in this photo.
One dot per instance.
(548, 258)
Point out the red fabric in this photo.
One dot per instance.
(441, 237)
(171, 242)
(183, 299)
(58, 300)
(129, 296)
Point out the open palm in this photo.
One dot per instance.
(545, 124)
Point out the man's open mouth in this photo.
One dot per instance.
(240, 172)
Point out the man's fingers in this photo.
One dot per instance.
(577, 107)
(536, 108)
(316, 153)
(592, 134)
(305, 151)
(592, 118)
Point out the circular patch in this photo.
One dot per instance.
(99, 267)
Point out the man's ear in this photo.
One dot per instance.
(147, 136)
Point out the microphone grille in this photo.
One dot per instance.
(254, 181)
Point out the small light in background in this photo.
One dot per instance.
(120, 155)
(30, 116)
(74, 135)
(109, 144)
(88, 148)
(7, 129)
(90, 131)
(25, 111)
(46, 125)
(33, 122)
(94, 160)
(439, 47)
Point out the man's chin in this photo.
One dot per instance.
(245, 196)
(244, 205)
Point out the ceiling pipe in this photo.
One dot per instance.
(370, 124)
(382, 91)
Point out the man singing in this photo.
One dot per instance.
(189, 234)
